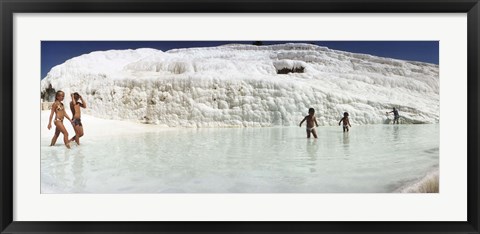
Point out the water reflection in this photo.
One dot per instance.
(346, 144)
(312, 152)
(396, 133)
(78, 170)
(60, 163)
(312, 148)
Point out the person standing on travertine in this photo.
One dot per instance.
(76, 122)
(59, 110)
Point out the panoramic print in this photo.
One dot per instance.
(239, 117)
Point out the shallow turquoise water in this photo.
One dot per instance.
(368, 159)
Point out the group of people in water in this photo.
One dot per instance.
(78, 102)
(312, 121)
(59, 111)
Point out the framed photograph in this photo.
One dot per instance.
(236, 116)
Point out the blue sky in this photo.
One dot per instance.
(56, 52)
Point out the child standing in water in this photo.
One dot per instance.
(60, 113)
(311, 123)
(346, 122)
(77, 123)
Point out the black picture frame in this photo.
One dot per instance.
(9, 7)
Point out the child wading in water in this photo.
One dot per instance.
(346, 122)
(77, 123)
(60, 113)
(311, 123)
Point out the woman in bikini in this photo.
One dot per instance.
(77, 123)
(60, 113)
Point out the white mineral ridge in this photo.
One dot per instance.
(238, 86)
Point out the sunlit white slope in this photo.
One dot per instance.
(239, 86)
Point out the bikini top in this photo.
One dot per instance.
(59, 106)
